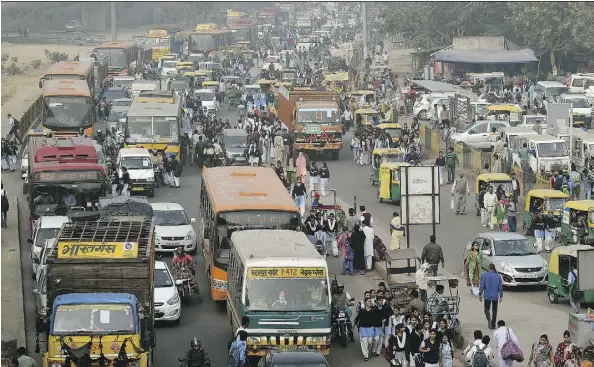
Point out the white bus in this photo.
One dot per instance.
(279, 280)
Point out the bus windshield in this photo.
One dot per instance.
(66, 112)
(256, 219)
(286, 294)
(152, 129)
(116, 57)
(201, 42)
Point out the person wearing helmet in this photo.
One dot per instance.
(340, 302)
(196, 356)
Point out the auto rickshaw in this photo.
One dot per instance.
(289, 76)
(577, 226)
(389, 182)
(563, 259)
(369, 96)
(547, 201)
(182, 66)
(212, 85)
(364, 116)
(491, 179)
(266, 84)
(383, 155)
(505, 112)
(337, 81)
(393, 129)
(203, 74)
(233, 98)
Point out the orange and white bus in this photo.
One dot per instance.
(72, 70)
(121, 57)
(67, 107)
(238, 198)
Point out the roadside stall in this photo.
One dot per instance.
(389, 187)
(577, 226)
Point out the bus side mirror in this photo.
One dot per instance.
(41, 83)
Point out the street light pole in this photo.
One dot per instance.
(114, 28)
(364, 15)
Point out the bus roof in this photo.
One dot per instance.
(63, 149)
(68, 166)
(246, 188)
(116, 44)
(211, 31)
(278, 244)
(70, 68)
(66, 87)
(153, 108)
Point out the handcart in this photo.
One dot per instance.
(442, 305)
(401, 267)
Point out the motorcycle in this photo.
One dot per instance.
(158, 171)
(185, 290)
(340, 321)
(321, 248)
(209, 157)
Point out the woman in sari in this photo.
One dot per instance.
(565, 354)
(542, 353)
(471, 267)
(301, 165)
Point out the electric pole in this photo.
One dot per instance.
(364, 15)
(114, 28)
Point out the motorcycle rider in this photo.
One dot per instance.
(340, 300)
(196, 356)
(183, 266)
(209, 152)
(157, 162)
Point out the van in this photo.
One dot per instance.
(139, 165)
(545, 90)
(582, 108)
(423, 104)
(583, 150)
(580, 82)
(547, 154)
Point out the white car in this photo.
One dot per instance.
(423, 104)
(167, 301)
(208, 99)
(48, 247)
(173, 228)
(168, 68)
(439, 102)
(44, 229)
(480, 135)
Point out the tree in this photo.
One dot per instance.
(560, 27)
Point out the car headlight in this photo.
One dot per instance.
(173, 300)
(254, 339)
(191, 234)
(505, 267)
(150, 179)
(316, 339)
(545, 264)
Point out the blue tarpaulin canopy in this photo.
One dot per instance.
(487, 56)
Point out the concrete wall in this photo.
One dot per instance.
(479, 43)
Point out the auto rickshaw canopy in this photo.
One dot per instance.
(571, 250)
(489, 178)
(362, 93)
(210, 83)
(389, 125)
(544, 194)
(367, 111)
(386, 151)
(504, 107)
(393, 166)
(581, 205)
(338, 77)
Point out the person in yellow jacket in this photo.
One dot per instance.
(397, 231)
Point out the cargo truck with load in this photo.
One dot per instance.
(99, 291)
(313, 116)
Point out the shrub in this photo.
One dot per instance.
(35, 64)
(14, 59)
(5, 56)
(56, 56)
(13, 69)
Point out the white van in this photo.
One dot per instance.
(423, 104)
(582, 108)
(140, 168)
(545, 90)
(580, 82)
(547, 154)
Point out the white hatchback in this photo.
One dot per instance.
(167, 301)
(44, 229)
(173, 228)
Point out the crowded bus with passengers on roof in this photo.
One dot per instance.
(121, 57)
(238, 198)
(154, 121)
(65, 176)
(67, 107)
(163, 41)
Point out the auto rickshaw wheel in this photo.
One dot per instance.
(553, 297)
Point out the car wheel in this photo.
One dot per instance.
(422, 115)
(151, 194)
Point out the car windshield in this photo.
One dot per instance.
(579, 102)
(204, 96)
(104, 319)
(163, 279)
(71, 23)
(136, 163)
(201, 42)
(555, 91)
(121, 103)
(179, 85)
(555, 204)
(44, 234)
(286, 294)
(552, 149)
(170, 218)
(531, 120)
(318, 115)
(169, 64)
(116, 57)
(236, 141)
(394, 133)
(517, 247)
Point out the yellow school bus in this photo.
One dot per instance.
(238, 198)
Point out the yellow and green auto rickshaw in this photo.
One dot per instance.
(544, 201)
(364, 116)
(491, 179)
(563, 260)
(383, 155)
(577, 225)
(213, 85)
(393, 129)
(369, 96)
(389, 187)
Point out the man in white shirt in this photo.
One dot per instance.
(368, 244)
(478, 339)
(490, 201)
(14, 128)
(245, 322)
(365, 214)
(501, 336)
(482, 346)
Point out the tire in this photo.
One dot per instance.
(422, 115)
(343, 336)
(553, 298)
(187, 300)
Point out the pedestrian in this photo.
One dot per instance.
(490, 203)
(478, 336)
(502, 335)
(421, 280)
(355, 149)
(515, 186)
(347, 262)
(126, 183)
(324, 178)
(386, 58)
(566, 352)
(433, 255)
(440, 162)
(550, 231)
(299, 194)
(396, 348)
(480, 355)
(451, 163)
(472, 269)
(5, 206)
(491, 289)
(4, 152)
(364, 321)
(314, 177)
(14, 128)
(358, 245)
(369, 237)
(459, 191)
(539, 226)
(12, 152)
(512, 213)
(300, 165)
(351, 220)
(430, 349)
(24, 359)
(238, 351)
(446, 352)
(397, 231)
(541, 354)
(574, 293)
(365, 215)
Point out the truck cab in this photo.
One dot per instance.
(583, 149)
(546, 154)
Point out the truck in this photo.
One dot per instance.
(313, 117)
(99, 291)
